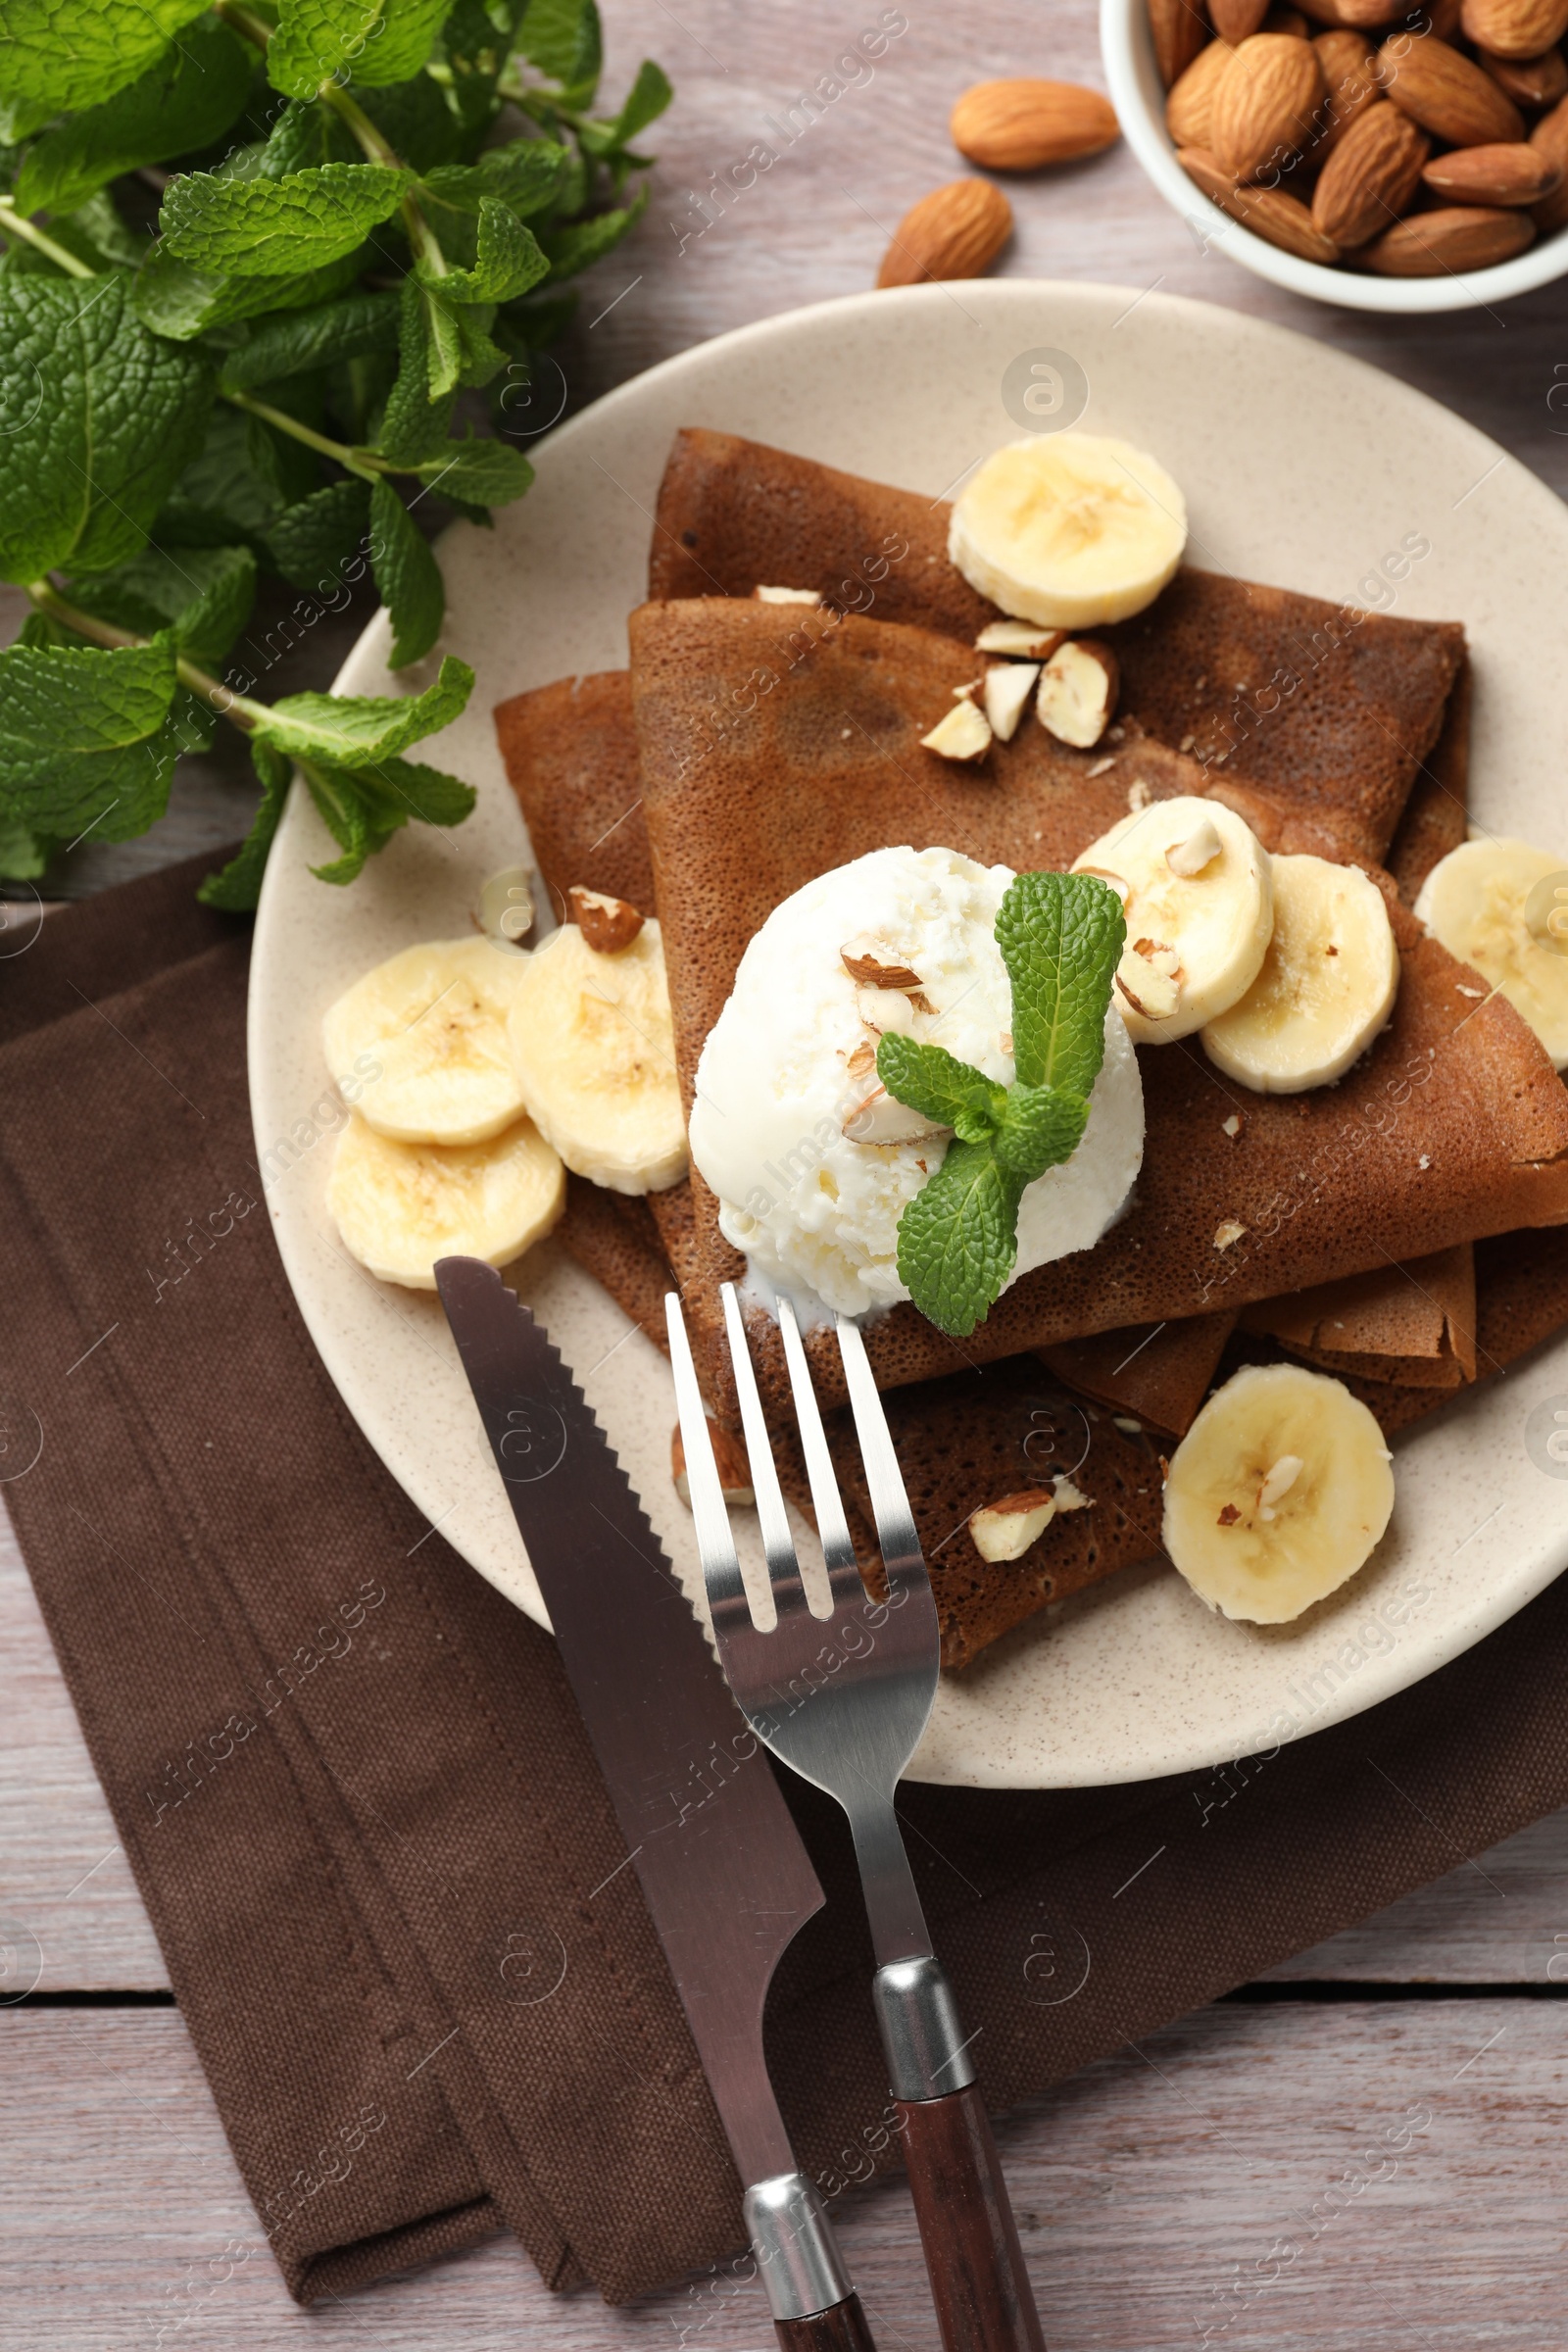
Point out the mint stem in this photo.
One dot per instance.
(17, 225)
(236, 708)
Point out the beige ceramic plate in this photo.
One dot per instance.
(1300, 467)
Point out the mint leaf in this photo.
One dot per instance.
(565, 40)
(481, 473)
(97, 414)
(477, 41)
(348, 731)
(231, 488)
(24, 855)
(84, 743)
(585, 242)
(1060, 937)
(187, 99)
(320, 336)
(378, 40)
(415, 424)
(526, 176)
(181, 302)
(959, 1239)
(1041, 1126)
(238, 886)
(203, 597)
(58, 59)
(643, 104)
(940, 1087)
(363, 808)
(276, 227)
(507, 262)
(97, 235)
(311, 541)
(408, 576)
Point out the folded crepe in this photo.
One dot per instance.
(570, 751)
(1159, 1373)
(1437, 814)
(1412, 1325)
(1332, 706)
(777, 745)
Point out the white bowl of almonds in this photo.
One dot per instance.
(1363, 153)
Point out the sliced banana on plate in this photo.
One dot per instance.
(1198, 897)
(593, 1049)
(1277, 1495)
(433, 1020)
(1069, 530)
(401, 1207)
(1326, 988)
(1502, 906)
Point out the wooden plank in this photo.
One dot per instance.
(1501, 1919)
(1341, 2180)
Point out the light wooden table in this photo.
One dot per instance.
(1159, 2190)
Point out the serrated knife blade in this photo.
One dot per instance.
(725, 1876)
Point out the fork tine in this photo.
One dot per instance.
(783, 1564)
(716, 1542)
(895, 1534)
(838, 1550)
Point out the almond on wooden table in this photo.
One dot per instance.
(1448, 242)
(1371, 176)
(1550, 138)
(1517, 173)
(1179, 29)
(957, 232)
(1281, 219)
(1446, 93)
(1530, 81)
(1264, 102)
(1350, 79)
(1514, 28)
(1019, 126)
(1190, 107)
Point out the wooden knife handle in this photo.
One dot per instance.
(841, 2329)
(969, 2237)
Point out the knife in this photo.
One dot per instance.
(725, 1876)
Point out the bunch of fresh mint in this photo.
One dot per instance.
(347, 241)
(1060, 937)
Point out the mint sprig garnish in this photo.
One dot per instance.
(266, 387)
(1060, 937)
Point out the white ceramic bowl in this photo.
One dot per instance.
(1137, 94)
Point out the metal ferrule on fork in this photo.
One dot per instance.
(926, 2051)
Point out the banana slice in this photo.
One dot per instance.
(1326, 988)
(593, 1049)
(1277, 1493)
(1069, 530)
(434, 1021)
(1198, 897)
(1504, 907)
(401, 1207)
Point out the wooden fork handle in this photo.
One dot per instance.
(969, 2237)
(841, 2329)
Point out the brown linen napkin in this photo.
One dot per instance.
(359, 1806)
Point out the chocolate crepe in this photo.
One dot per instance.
(1332, 706)
(1414, 1325)
(1159, 1373)
(570, 751)
(775, 747)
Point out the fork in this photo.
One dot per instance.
(844, 1699)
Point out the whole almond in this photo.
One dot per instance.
(1514, 28)
(1349, 74)
(1264, 102)
(1449, 242)
(1021, 125)
(1440, 17)
(1445, 92)
(1179, 29)
(1530, 81)
(1268, 212)
(1371, 176)
(957, 232)
(1518, 173)
(1191, 104)
(1550, 138)
(1235, 21)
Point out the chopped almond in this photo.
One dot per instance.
(607, 924)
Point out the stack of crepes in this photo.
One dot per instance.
(754, 745)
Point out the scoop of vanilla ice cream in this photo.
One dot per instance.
(787, 1067)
